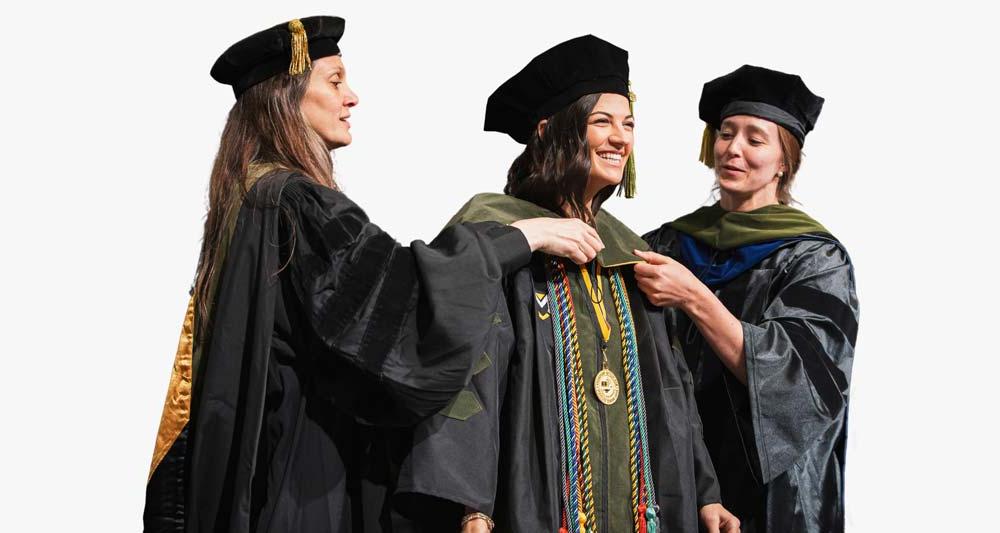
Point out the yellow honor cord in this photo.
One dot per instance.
(602, 314)
(300, 48)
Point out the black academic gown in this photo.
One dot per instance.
(324, 329)
(778, 442)
(496, 448)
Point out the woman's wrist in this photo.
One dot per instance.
(533, 237)
(476, 515)
(698, 301)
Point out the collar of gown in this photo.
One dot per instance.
(619, 241)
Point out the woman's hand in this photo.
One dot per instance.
(717, 519)
(666, 282)
(564, 237)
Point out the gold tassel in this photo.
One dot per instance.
(629, 176)
(300, 48)
(708, 147)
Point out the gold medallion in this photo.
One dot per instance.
(606, 387)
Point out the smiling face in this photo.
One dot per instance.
(748, 159)
(328, 100)
(609, 140)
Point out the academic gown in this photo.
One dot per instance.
(778, 442)
(323, 330)
(496, 448)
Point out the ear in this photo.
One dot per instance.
(540, 128)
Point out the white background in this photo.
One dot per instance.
(110, 122)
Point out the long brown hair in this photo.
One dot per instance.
(554, 168)
(265, 125)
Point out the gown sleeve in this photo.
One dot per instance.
(410, 322)
(799, 355)
(455, 457)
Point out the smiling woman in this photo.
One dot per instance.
(755, 161)
(588, 167)
(609, 138)
(579, 417)
(762, 298)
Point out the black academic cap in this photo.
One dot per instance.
(552, 81)
(781, 98)
(288, 47)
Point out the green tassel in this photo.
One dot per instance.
(628, 178)
(708, 147)
(651, 524)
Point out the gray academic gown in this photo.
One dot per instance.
(778, 442)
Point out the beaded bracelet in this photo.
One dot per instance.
(478, 516)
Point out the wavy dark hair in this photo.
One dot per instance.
(554, 168)
(265, 125)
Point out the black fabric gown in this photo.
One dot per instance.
(323, 330)
(497, 449)
(778, 442)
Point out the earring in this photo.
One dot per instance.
(781, 175)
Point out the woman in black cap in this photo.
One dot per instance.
(580, 417)
(769, 312)
(309, 325)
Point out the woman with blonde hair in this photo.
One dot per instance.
(762, 302)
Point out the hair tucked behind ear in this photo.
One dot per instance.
(791, 156)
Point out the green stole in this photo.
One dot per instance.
(725, 230)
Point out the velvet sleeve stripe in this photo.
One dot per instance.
(339, 300)
(344, 227)
(509, 243)
(826, 378)
(835, 309)
(395, 298)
